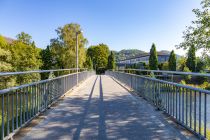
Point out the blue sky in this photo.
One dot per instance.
(121, 24)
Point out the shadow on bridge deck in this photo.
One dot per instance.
(101, 109)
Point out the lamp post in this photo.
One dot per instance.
(77, 59)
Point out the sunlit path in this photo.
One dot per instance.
(102, 109)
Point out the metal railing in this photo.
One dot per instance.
(167, 72)
(189, 106)
(20, 104)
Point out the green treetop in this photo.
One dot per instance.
(111, 61)
(172, 61)
(153, 59)
(191, 59)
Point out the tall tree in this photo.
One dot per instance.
(67, 40)
(191, 59)
(172, 61)
(99, 55)
(47, 59)
(198, 33)
(111, 61)
(63, 47)
(153, 59)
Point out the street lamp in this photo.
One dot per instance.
(77, 45)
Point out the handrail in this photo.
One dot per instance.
(169, 72)
(36, 71)
(3, 91)
(187, 105)
(171, 83)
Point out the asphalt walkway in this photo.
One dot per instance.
(102, 109)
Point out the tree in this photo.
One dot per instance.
(111, 61)
(172, 61)
(153, 59)
(181, 63)
(25, 38)
(99, 55)
(25, 57)
(198, 33)
(5, 64)
(67, 42)
(201, 65)
(63, 47)
(191, 59)
(47, 59)
(88, 63)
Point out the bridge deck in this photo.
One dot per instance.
(101, 109)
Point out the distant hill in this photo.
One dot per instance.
(124, 54)
(128, 53)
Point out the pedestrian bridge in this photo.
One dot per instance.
(112, 106)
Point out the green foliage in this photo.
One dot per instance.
(172, 61)
(88, 63)
(181, 63)
(64, 47)
(20, 55)
(191, 59)
(201, 65)
(153, 59)
(99, 55)
(187, 77)
(111, 61)
(198, 33)
(47, 61)
(5, 64)
(163, 66)
(25, 57)
(25, 38)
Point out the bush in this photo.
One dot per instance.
(187, 77)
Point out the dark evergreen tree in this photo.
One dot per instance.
(153, 59)
(172, 61)
(47, 59)
(47, 62)
(191, 59)
(111, 61)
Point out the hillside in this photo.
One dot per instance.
(128, 53)
(124, 54)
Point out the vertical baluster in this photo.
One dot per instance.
(176, 102)
(205, 114)
(27, 102)
(2, 117)
(183, 92)
(17, 120)
(173, 92)
(199, 112)
(194, 110)
(186, 115)
(190, 108)
(24, 104)
(179, 104)
(8, 113)
(21, 107)
(32, 100)
(13, 111)
(168, 98)
(36, 106)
